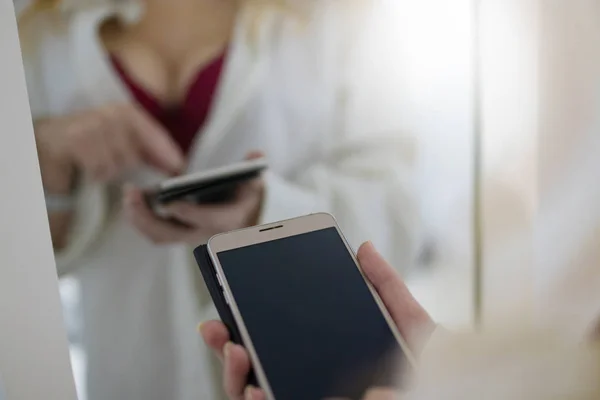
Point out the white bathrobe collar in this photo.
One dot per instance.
(243, 73)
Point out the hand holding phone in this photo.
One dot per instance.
(216, 186)
(185, 221)
(335, 334)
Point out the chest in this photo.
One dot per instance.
(286, 110)
(163, 60)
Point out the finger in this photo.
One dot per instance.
(189, 213)
(91, 151)
(113, 160)
(408, 315)
(158, 230)
(253, 393)
(102, 163)
(215, 335)
(385, 279)
(209, 218)
(159, 150)
(254, 155)
(124, 147)
(256, 184)
(120, 138)
(99, 134)
(237, 368)
(249, 189)
(218, 215)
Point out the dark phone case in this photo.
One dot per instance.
(212, 284)
(209, 192)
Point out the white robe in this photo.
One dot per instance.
(333, 114)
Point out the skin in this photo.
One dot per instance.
(413, 322)
(102, 144)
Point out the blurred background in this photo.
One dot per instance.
(474, 77)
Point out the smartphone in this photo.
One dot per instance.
(313, 326)
(207, 187)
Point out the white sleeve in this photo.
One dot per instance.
(88, 221)
(42, 49)
(366, 177)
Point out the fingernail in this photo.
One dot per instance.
(366, 246)
(249, 393)
(253, 155)
(199, 327)
(369, 246)
(227, 349)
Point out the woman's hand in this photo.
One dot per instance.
(198, 222)
(107, 141)
(413, 322)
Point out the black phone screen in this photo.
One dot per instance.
(316, 327)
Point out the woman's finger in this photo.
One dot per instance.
(387, 282)
(191, 214)
(248, 190)
(254, 155)
(92, 152)
(219, 217)
(117, 135)
(159, 150)
(237, 368)
(124, 146)
(140, 215)
(110, 154)
(215, 336)
(410, 317)
(100, 133)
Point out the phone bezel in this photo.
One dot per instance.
(280, 230)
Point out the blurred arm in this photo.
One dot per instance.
(58, 179)
(72, 232)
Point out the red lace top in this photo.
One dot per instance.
(183, 121)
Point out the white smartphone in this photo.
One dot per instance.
(312, 324)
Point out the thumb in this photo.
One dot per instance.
(158, 149)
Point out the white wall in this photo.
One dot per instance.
(437, 62)
(34, 360)
(509, 54)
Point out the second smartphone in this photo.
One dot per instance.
(313, 326)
